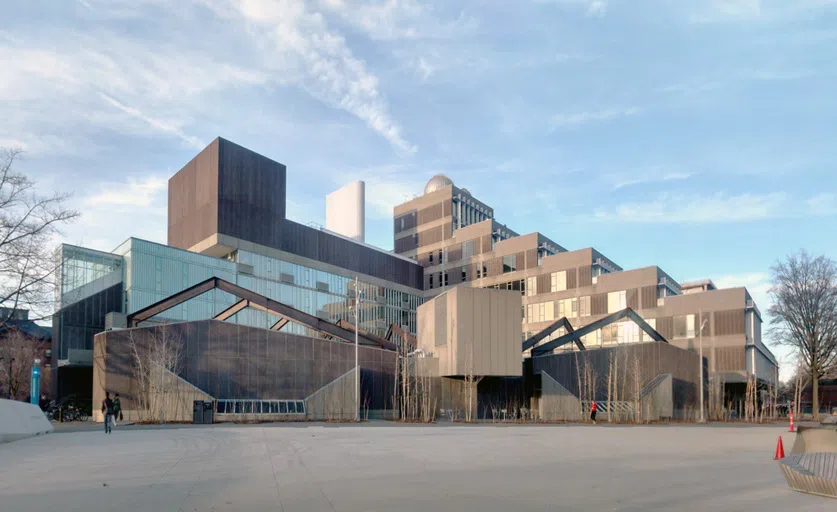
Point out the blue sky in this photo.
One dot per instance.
(697, 135)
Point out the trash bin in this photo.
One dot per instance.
(197, 412)
(208, 412)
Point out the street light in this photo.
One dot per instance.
(700, 336)
(358, 298)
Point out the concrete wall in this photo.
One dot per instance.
(556, 402)
(658, 399)
(472, 330)
(335, 401)
(19, 420)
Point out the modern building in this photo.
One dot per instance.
(237, 279)
(457, 240)
(227, 220)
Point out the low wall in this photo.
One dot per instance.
(19, 420)
(556, 403)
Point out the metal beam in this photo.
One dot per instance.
(350, 326)
(598, 324)
(178, 298)
(537, 338)
(282, 322)
(293, 314)
(260, 302)
(396, 329)
(232, 310)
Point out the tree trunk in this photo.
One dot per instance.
(815, 394)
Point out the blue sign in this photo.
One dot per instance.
(35, 386)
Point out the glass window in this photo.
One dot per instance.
(509, 263)
(300, 407)
(559, 281)
(616, 301)
(684, 326)
(283, 407)
(584, 306)
(291, 407)
(531, 286)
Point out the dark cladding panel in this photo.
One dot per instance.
(193, 199)
(327, 248)
(251, 195)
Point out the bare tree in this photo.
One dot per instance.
(17, 355)
(157, 361)
(804, 313)
(28, 221)
(471, 381)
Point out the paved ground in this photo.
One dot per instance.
(385, 468)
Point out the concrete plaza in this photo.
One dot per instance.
(386, 467)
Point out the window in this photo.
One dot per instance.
(467, 249)
(684, 326)
(531, 286)
(567, 308)
(653, 323)
(430, 282)
(616, 301)
(559, 281)
(440, 257)
(430, 258)
(509, 263)
(464, 276)
(445, 282)
(584, 306)
(291, 407)
(283, 408)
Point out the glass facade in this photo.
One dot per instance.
(147, 272)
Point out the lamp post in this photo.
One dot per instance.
(700, 343)
(357, 344)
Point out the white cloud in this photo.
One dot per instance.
(597, 8)
(718, 208)
(656, 175)
(592, 8)
(765, 11)
(157, 124)
(424, 68)
(317, 58)
(131, 194)
(824, 204)
(569, 121)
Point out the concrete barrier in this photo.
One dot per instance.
(815, 439)
(19, 420)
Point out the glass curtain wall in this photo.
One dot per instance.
(154, 272)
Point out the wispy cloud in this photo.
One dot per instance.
(166, 127)
(718, 208)
(569, 121)
(592, 8)
(319, 59)
(656, 175)
(764, 11)
(132, 194)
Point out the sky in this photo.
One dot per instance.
(694, 135)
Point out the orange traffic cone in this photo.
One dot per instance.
(780, 450)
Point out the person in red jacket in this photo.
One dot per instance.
(593, 412)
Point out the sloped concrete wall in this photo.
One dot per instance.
(171, 398)
(658, 401)
(335, 401)
(557, 403)
(19, 420)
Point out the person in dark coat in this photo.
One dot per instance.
(107, 410)
(117, 409)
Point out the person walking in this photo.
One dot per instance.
(593, 412)
(117, 409)
(107, 409)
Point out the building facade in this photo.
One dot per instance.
(582, 286)
(226, 220)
